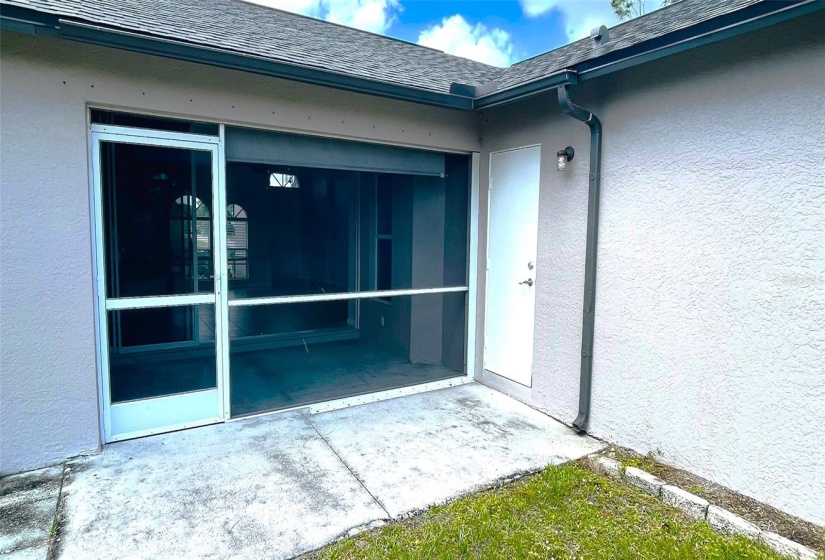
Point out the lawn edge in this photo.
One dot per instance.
(376, 524)
(719, 519)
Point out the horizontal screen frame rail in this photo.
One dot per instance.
(153, 137)
(281, 300)
(152, 302)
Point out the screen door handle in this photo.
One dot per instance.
(529, 282)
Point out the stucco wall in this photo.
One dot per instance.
(711, 291)
(710, 313)
(48, 389)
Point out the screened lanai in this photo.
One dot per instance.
(345, 269)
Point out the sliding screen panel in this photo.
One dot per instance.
(406, 341)
(290, 231)
(414, 230)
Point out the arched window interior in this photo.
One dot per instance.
(283, 181)
(184, 209)
(237, 242)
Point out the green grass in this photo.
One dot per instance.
(696, 489)
(645, 462)
(563, 512)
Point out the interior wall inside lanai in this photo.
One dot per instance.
(430, 220)
(710, 303)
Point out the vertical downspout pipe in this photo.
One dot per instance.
(589, 314)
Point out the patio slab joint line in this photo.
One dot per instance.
(54, 530)
(361, 482)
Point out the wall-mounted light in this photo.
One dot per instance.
(564, 156)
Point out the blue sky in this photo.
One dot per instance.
(498, 32)
(529, 36)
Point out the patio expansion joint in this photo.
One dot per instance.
(53, 548)
(346, 465)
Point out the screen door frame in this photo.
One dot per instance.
(177, 411)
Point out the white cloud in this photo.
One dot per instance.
(455, 35)
(580, 16)
(303, 7)
(369, 15)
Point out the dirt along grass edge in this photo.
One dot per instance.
(723, 509)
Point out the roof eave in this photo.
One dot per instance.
(526, 90)
(29, 21)
(749, 19)
(753, 18)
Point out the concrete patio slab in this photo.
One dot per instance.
(265, 487)
(27, 506)
(281, 485)
(429, 448)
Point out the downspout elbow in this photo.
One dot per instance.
(589, 311)
(577, 112)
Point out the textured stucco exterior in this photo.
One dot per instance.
(710, 313)
(49, 402)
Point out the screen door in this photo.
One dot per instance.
(158, 215)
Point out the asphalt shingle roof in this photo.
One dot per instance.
(655, 24)
(254, 30)
(251, 29)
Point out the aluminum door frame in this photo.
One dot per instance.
(162, 139)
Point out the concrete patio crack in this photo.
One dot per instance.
(343, 462)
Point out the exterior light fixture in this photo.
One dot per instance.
(564, 156)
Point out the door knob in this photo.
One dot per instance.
(529, 282)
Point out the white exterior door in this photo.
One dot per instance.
(511, 263)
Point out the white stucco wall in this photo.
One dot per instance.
(710, 314)
(48, 388)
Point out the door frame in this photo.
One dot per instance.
(487, 263)
(163, 139)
